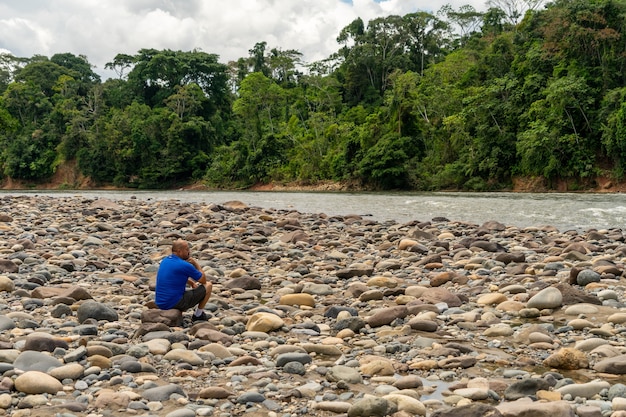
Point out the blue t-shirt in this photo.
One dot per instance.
(171, 281)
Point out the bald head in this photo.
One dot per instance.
(180, 248)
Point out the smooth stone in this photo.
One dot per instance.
(6, 284)
(406, 404)
(162, 393)
(344, 373)
(183, 355)
(474, 394)
(285, 358)
(376, 366)
(525, 388)
(250, 397)
(97, 311)
(528, 407)
(491, 299)
(297, 300)
(587, 276)
(372, 407)
(498, 330)
(386, 316)
(6, 323)
(182, 412)
(36, 382)
(337, 407)
(215, 393)
(322, 349)
(580, 324)
(538, 337)
(587, 345)
(576, 309)
(408, 382)
(423, 325)
(68, 371)
(617, 318)
(612, 365)
(36, 361)
(264, 322)
(586, 390)
(158, 346)
(548, 298)
(216, 349)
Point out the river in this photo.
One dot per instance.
(566, 211)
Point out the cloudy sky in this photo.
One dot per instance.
(100, 29)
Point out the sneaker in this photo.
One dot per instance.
(201, 317)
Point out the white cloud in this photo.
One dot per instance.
(100, 29)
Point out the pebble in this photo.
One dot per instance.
(309, 314)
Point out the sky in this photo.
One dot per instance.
(101, 29)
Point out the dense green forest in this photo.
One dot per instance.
(458, 99)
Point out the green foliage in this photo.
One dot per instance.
(457, 100)
(385, 163)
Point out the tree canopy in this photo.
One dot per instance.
(458, 99)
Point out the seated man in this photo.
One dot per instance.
(176, 272)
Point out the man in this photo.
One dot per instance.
(176, 272)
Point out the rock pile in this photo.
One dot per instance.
(311, 315)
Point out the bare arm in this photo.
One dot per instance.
(202, 279)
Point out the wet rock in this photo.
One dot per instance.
(525, 388)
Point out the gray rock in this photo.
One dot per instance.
(250, 397)
(36, 361)
(613, 365)
(162, 393)
(587, 276)
(470, 410)
(97, 311)
(6, 323)
(372, 407)
(525, 388)
(285, 358)
(344, 373)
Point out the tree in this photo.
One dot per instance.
(257, 59)
(556, 142)
(466, 19)
(260, 108)
(120, 64)
(514, 10)
(283, 65)
(157, 74)
(79, 65)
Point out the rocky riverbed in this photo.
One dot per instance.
(310, 314)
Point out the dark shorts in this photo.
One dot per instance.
(191, 298)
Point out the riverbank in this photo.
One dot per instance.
(67, 177)
(310, 314)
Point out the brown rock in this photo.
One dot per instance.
(442, 278)
(386, 316)
(572, 295)
(171, 317)
(8, 266)
(567, 358)
(441, 295)
(470, 410)
(217, 393)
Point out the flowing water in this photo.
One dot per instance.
(565, 211)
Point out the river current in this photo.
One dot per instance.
(566, 211)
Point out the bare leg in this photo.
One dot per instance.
(209, 287)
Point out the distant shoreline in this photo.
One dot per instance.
(603, 185)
